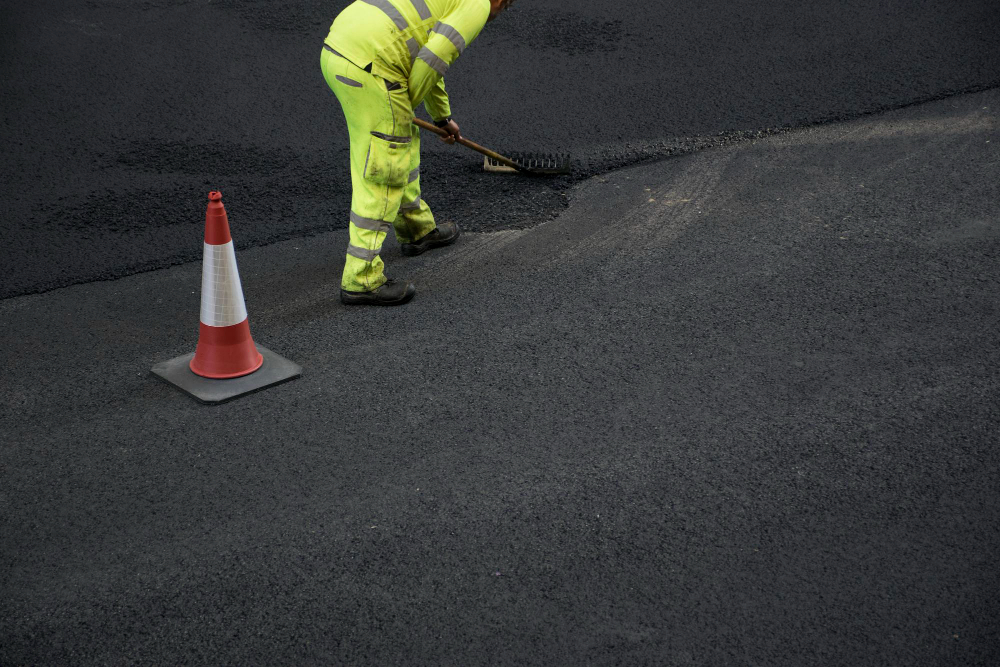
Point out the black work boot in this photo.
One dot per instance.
(390, 293)
(444, 234)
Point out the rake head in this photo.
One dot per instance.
(531, 163)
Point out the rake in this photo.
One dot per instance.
(525, 163)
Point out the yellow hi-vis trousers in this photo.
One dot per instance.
(385, 169)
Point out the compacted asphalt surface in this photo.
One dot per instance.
(739, 406)
(119, 115)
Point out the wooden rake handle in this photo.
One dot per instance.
(469, 144)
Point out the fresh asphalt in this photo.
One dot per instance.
(119, 115)
(735, 407)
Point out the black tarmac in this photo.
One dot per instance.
(120, 115)
(740, 406)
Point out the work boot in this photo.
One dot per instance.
(390, 293)
(444, 234)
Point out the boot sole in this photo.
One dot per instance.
(365, 299)
(414, 249)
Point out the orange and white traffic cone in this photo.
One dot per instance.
(226, 363)
(225, 348)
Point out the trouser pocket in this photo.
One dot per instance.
(388, 161)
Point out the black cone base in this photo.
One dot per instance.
(275, 370)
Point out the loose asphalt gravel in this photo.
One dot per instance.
(735, 407)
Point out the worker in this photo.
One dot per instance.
(383, 58)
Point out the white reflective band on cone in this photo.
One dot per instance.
(222, 302)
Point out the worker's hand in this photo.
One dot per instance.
(451, 127)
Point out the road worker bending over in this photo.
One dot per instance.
(383, 58)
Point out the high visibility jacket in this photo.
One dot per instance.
(411, 42)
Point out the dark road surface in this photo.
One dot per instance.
(118, 115)
(737, 407)
(751, 421)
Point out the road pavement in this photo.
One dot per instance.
(119, 115)
(735, 407)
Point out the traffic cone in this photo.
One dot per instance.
(225, 348)
(226, 363)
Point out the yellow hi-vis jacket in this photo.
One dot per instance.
(411, 42)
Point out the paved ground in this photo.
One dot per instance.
(119, 115)
(737, 407)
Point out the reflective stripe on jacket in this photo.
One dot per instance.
(413, 42)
